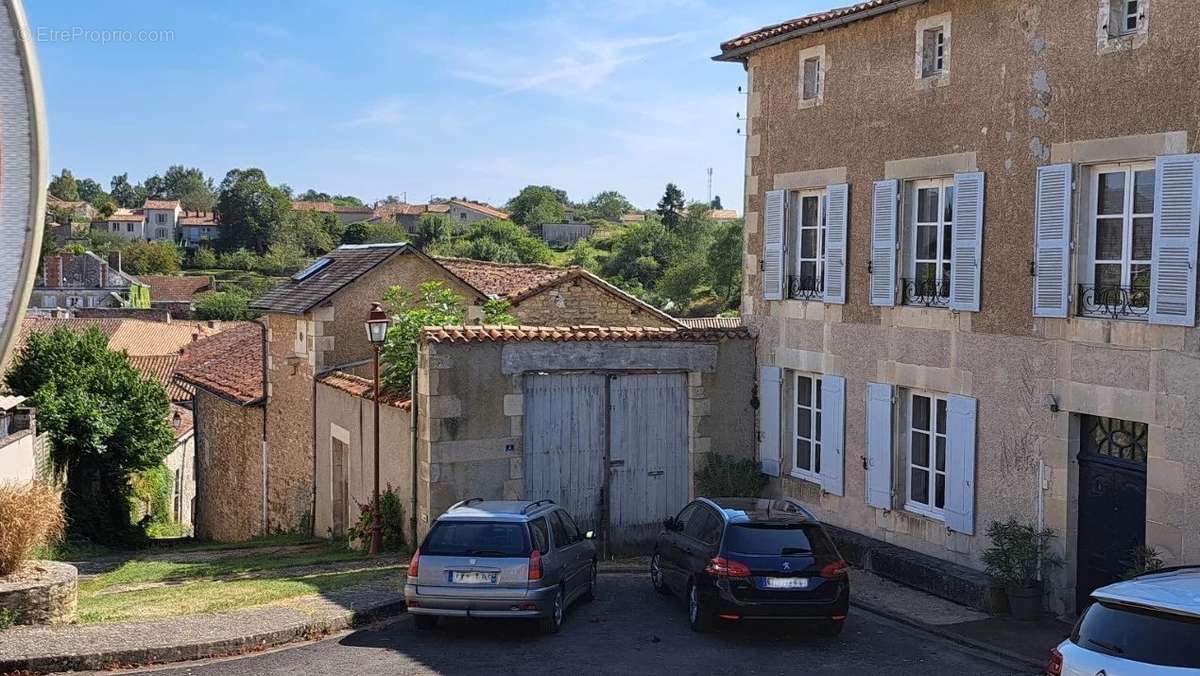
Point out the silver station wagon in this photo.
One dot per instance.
(502, 559)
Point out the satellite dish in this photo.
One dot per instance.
(22, 171)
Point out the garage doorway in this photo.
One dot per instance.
(611, 448)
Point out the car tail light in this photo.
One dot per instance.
(838, 570)
(1054, 666)
(412, 564)
(723, 567)
(535, 565)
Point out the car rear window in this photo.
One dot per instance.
(1146, 636)
(476, 538)
(773, 539)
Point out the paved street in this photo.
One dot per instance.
(628, 630)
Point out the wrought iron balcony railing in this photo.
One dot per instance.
(805, 288)
(1114, 302)
(926, 292)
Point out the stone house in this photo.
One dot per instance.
(465, 212)
(177, 293)
(198, 228)
(87, 280)
(970, 246)
(127, 223)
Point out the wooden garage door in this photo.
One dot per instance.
(564, 442)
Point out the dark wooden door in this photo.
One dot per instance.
(341, 488)
(1112, 501)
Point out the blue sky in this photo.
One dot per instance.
(376, 97)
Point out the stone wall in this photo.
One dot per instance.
(289, 410)
(583, 302)
(181, 463)
(229, 476)
(43, 592)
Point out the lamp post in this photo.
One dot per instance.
(377, 328)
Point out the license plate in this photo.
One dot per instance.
(469, 577)
(786, 582)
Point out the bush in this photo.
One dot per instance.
(241, 259)
(1017, 551)
(151, 258)
(224, 306)
(391, 510)
(152, 490)
(31, 517)
(204, 259)
(727, 476)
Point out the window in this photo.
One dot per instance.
(74, 301)
(1140, 635)
(540, 530)
(1121, 232)
(1124, 17)
(1129, 16)
(812, 76)
(569, 524)
(472, 538)
(926, 464)
(932, 67)
(301, 345)
(462, 215)
(162, 218)
(808, 224)
(129, 227)
(812, 79)
(116, 227)
(934, 52)
(931, 213)
(562, 537)
(160, 233)
(806, 442)
(49, 301)
(704, 526)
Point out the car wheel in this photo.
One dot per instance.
(656, 574)
(552, 623)
(425, 622)
(590, 594)
(699, 615)
(831, 627)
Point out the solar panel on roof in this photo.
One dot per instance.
(311, 270)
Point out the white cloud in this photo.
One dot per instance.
(388, 112)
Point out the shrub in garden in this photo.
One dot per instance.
(729, 476)
(31, 516)
(392, 512)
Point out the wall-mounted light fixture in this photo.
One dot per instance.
(1052, 402)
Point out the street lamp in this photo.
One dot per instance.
(377, 327)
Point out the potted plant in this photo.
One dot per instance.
(1019, 554)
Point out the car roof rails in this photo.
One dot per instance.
(464, 503)
(535, 503)
(1167, 569)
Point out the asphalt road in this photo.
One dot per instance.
(629, 629)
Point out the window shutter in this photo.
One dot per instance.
(773, 244)
(960, 464)
(770, 387)
(833, 433)
(1176, 221)
(967, 253)
(879, 445)
(1052, 248)
(883, 243)
(837, 203)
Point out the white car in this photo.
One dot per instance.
(1147, 625)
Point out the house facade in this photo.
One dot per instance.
(87, 281)
(970, 254)
(154, 221)
(198, 228)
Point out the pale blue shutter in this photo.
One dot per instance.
(960, 464)
(879, 445)
(1052, 246)
(1176, 220)
(833, 433)
(966, 254)
(770, 388)
(883, 242)
(837, 207)
(773, 245)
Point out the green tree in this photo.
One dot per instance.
(204, 259)
(190, 187)
(64, 186)
(312, 232)
(680, 281)
(104, 204)
(153, 188)
(89, 190)
(222, 306)
(104, 420)
(239, 259)
(670, 207)
(716, 202)
(431, 229)
(252, 210)
(124, 194)
(102, 241)
(281, 258)
(537, 204)
(724, 259)
(641, 253)
(696, 224)
(496, 240)
(151, 258)
(609, 205)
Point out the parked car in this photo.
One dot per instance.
(508, 559)
(752, 559)
(1147, 625)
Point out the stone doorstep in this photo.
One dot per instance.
(945, 579)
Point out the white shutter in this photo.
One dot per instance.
(960, 464)
(1176, 220)
(966, 255)
(773, 245)
(883, 242)
(770, 388)
(879, 445)
(837, 207)
(833, 433)
(1052, 246)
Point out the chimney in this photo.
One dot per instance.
(53, 272)
(103, 275)
(114, 260)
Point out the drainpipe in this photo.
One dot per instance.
(266, 525)
(1041, 510)
(412, 447)
(312, 511)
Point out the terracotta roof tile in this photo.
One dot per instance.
(485, 209)
(228, 364)
(576, 334)
(207, 218)
(362, 387)
(176, 288)
(123, 216)
(855, 12)
(711, 322)
(160, 204)
(308, 205)
(139, 337)
(161, 369)
(504, 280)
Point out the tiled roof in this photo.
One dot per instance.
(711, 322)
(439, 208)
(176, 288)
(503, 280)
(401, 208)
(485, 209)
(722, 214)
(124, 215)
(140, 338)
(347, 263)
(361, 387)
(228, 364)
(161, 368)
(352, 209)
(574, 334)
(632, 218)
(303, 205)
(736, 48)
(160, 204)
(207, 218)
(47, 324)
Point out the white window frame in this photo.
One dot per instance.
(796, 230)
(928, 510)
(939, 74)
(813, 434)
(945, 187)
(1130, 170)
(1113, 30)
(1125, 15)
